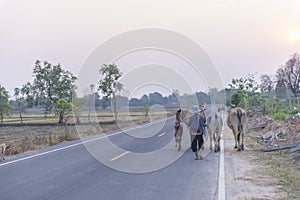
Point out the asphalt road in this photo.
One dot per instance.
(76, 171)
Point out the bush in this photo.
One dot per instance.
(235, 99)
(279, 116)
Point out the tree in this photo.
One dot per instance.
(281, 90)
(50, 84)
(97, 99)
(28, 94)
(247, 89)
(134, 102)
(237, 98)
(157, 98)
(91, 98)
(173, 98)
(5, 107)
(63, 108)
(203, 98)
(289, 74)
(109, 84)
(20, 102)
(266, 83)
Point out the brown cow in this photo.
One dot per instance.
(180, 116)
(237, 121)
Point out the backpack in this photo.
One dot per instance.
(194, 123)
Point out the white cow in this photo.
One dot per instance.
(215, 124)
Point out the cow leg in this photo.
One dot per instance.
(219, 145)
(179, 137)
(210, 139)
(175, 137)
(235, 138)
(235, 132)
(243, 134)
(179, 146)
(239, 141)
(218, 142)
(215, 143)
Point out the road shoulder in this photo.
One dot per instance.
(243, 176)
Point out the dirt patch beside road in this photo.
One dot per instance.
(243, 174)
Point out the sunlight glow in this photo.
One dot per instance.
(294, 36)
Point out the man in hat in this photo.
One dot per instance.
(196, 127)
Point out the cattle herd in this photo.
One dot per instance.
(236, 121)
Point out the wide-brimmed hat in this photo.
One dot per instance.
(195, 109)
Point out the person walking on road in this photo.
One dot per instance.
(196, 127)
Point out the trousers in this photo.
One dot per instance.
(197, 143)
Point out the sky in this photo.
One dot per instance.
(239, 36)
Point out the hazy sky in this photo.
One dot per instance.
(241, 37)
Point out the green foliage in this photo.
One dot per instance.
(63, 108)
(247, 91)
(109, 84)
(5, 107)
(20, 101)
(279, 115)
(236, 98)
(28, 94)
(51, 83)
(267, 83)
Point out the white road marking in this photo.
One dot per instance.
(80, 143)
(221, 195)
(119, 156)
(161, 134)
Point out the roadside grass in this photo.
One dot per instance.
(278, 166)
(283, 173)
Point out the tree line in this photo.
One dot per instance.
(54, 88)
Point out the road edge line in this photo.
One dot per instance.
(221, 188)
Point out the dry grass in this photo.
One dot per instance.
(36, 135)
(28, 138)
(279, 166)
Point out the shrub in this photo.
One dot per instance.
(279, 116)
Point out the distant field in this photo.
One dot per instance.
(100, 117)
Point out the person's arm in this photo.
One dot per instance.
(187, 121)
(201, 123)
